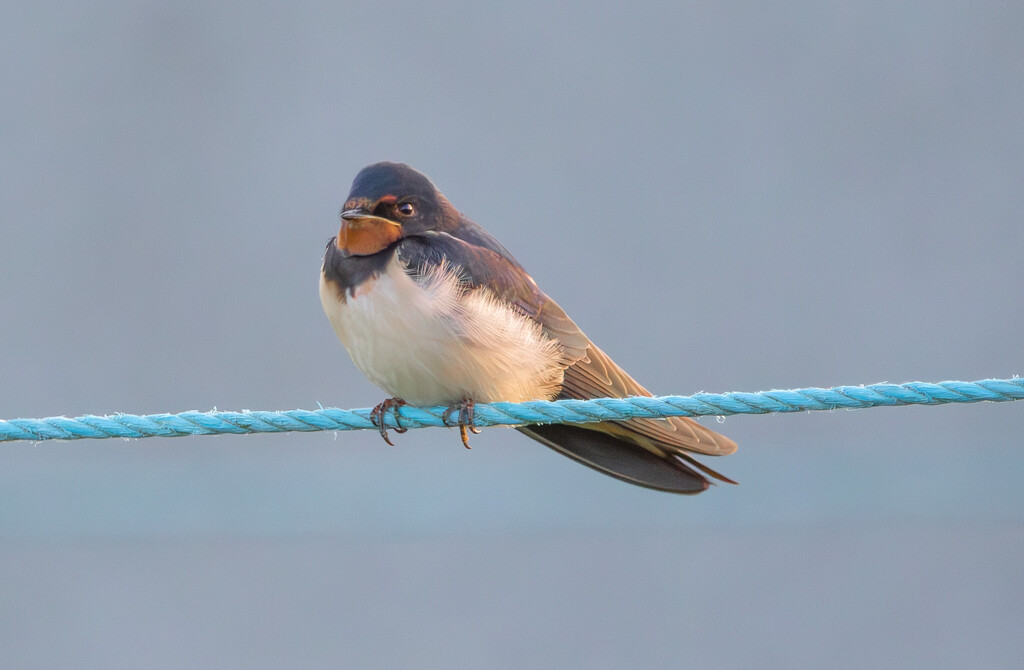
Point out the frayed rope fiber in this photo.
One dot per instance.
(505, 413)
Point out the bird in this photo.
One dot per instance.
(436, 312)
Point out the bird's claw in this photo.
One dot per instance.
(465, 420)
(377, 417)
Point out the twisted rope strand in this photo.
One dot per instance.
(506, 413)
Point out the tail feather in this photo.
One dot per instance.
(621, 459)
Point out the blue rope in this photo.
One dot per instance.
(505, 413)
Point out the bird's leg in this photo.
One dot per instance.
(377, 417)
(465, 420)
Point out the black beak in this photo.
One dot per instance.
(356, 213)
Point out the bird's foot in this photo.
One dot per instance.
(377, 417)
(465, 409)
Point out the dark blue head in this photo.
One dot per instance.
(398, 193)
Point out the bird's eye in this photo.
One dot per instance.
(406, 209)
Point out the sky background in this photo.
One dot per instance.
(725, 196)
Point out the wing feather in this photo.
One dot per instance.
(589, 372)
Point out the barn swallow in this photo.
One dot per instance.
(435, 311)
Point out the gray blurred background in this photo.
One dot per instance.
(726, 196)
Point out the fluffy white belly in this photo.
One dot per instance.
(430, 341)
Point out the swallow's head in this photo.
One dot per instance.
(388, 201)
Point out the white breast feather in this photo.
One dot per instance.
(430, 340)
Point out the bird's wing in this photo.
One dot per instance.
(590, 373)
(598, 376)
